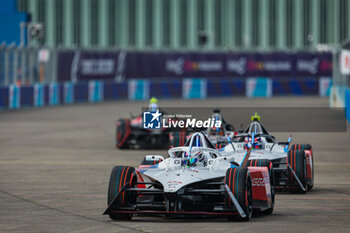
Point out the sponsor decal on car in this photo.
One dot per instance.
(259, 181)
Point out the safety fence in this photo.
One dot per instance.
(38, 95)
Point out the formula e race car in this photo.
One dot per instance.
(292, 167)
(219, 135)
(132, 133)
(196, 180)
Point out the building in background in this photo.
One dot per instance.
(191, 24)
(12, 23)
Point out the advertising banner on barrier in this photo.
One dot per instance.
(90, 65)
(345, 62)
(118, 65)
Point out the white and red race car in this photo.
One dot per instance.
(196, 179)
(292, 167)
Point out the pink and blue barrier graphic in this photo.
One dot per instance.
(96, 91)
(39, 95)
(68, 93)
(14, 97)
(54, 94)
(325, 85)
(258, 87)
(194, 88)
(138, 89)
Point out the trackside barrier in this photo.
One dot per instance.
(325, 86)
(194, 88)
(166, 89)
(68, 93)
(14, 97)
(337, 96)
(27, 96)
(138, 89)
(95, 91)
(347, 104)
(258, 87)
(296, 87)
(226, 87)
(54, 94)
(38, 95)
(115, 91)
(4, 97)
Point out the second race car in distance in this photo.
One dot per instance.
(292, 166)
(130, 133)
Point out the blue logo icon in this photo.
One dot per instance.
(151, 120)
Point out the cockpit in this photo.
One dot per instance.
(260, 138)
(196, 152)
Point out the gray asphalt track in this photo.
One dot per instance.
(55, 164)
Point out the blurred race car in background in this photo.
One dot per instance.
(130, 133)
(196, 179)
(219, 135)
(292, 167)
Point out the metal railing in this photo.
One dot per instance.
(27, 65)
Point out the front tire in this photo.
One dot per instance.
(120, 177)
(239, 182)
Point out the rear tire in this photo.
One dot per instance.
(297, 161)
(121, 176)
(310, 181)
(178, 138)
(122, 133)
(239, 182)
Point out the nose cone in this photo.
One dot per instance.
(174, 180)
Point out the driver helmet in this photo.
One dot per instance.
(153, 104)
(257, 144)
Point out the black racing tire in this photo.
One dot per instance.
(150, 162)
(301, 147)
(122, 133)
(121, 176)
(310, 181)
(265, 163)
(239, 182)
(297, 161)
